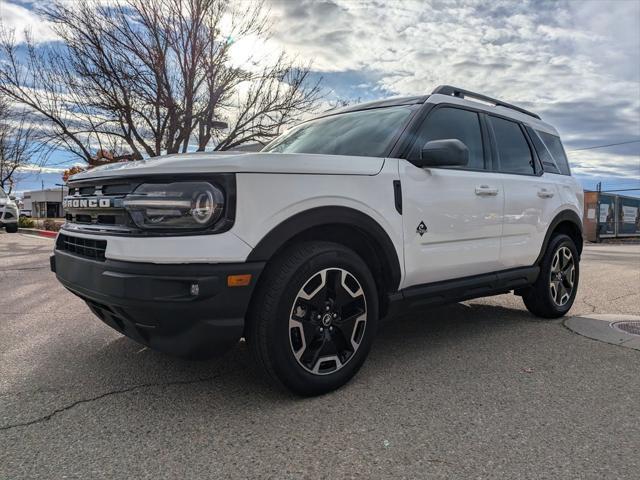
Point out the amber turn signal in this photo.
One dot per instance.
(239, 280)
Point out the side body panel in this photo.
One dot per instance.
(530, 205)
(463, 227)
(266, 201)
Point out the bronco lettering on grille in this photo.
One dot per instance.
(87, 203)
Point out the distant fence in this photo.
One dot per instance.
(610, 216)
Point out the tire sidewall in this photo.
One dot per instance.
(285, 364)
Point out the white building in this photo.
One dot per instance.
(45, 203)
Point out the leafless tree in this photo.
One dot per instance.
(154, 76)
(19, 145)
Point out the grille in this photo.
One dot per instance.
(98, 219)
(632, 327)
(83, 247)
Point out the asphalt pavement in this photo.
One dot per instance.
(476, 390)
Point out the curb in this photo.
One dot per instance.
(38, 233)
(601, 327)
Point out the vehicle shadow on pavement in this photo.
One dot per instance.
(90, 364)
(425, 336)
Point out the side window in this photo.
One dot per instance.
(543, 152)
(554, 145)
(464, 125)
(513, 149)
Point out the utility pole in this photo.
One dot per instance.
(61, 185)
(599, 190)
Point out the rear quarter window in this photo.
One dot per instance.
(550, 151)
(554, 145)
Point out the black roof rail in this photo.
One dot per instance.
(461, 93)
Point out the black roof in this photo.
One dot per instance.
(442, 89)
(388, 102)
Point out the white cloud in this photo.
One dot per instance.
(33, 168)
(20, 19)
(599, 164)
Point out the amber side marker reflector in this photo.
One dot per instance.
(239, 280)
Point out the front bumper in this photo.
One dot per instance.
(7, 218)
(158, 306)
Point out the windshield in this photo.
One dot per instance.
(365, 133)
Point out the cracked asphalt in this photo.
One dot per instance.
(479, 389)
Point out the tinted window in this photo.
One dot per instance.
(543, 153)
(513, 149)
(446, 123)
(554, 146)
(363, 133)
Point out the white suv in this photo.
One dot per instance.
(303, 247)
(8, 213)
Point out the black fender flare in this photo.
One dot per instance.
(273, 241)
(563, 216)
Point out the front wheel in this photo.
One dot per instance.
(12, 228)
(553, 293)
(314, 317)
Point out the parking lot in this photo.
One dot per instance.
(474, 390)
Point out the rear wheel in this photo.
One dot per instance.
(314, 317)
(553, 293)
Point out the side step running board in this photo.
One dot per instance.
(457, 290)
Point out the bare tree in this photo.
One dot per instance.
(154, 76)
(18, 144)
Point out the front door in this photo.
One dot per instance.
(452, 216)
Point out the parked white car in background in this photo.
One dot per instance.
(8, 212)
(301, 248)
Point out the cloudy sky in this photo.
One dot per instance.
(576, 63)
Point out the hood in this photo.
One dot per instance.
(240, 162)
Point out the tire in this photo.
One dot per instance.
(544, 299)
(12, 228)
(313, 317)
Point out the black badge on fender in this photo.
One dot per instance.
(422, 229)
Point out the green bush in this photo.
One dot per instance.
(25, 222)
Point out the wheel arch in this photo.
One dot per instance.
(567, 222)
(347, 226)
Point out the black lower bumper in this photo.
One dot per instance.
(185, 310)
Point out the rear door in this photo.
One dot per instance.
(452, 217)
(531, 196)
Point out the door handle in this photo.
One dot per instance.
(545, 193)
(486, 191)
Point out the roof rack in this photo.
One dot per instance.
(461, 93)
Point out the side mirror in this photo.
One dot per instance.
(12, 197)
(450, 152)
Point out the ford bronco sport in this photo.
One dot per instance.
(303, 247)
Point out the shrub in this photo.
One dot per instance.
(25, 222)
(51, 225)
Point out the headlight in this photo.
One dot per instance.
(179, 205)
